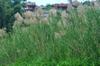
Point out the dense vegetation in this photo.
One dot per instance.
(7, 10)
(37, 45)
(75, 42)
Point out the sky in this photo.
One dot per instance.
(44, 2)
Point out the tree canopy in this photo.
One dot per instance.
(7, 10)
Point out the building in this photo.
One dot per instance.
(29, 6)
(60, 6)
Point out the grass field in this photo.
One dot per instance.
(76, 43)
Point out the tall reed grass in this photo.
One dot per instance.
(78, 43)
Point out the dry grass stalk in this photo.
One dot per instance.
(59, 34)
(45, 20)
(39, 12)
(2, 33)
(30, 18)
(17, 24)
(81, 10)
(30, 21)
(64, 17)
(18, 17)
(28, 15)
(70, 7)
(53, 12)
(19, 20)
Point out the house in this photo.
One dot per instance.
(62, 6)
(29, 6)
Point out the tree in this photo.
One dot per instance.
(7, 10)
(48, 6)
(88, 3)
(18, 5)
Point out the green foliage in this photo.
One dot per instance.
(18, 4)
(88, 3)
(48, 7)
(7, 11)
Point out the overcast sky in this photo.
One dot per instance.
(44, 2)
